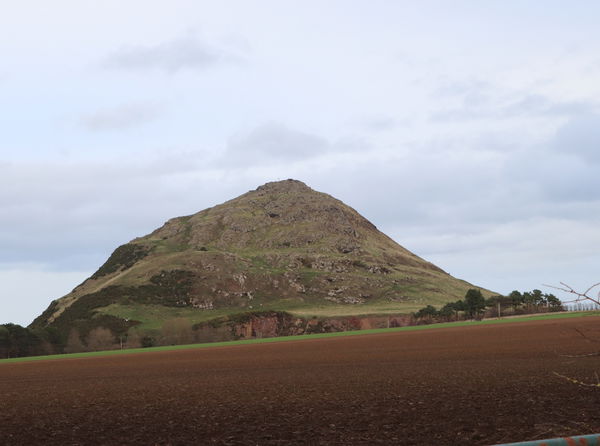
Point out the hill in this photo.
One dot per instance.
(282, 247)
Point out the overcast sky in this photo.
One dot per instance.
(468, 131)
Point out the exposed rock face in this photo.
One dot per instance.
(282, 244)
(273, 324)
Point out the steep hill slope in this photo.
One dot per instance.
(282, 246)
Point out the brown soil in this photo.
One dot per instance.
(474, 385)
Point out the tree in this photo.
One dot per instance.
(55, 338)
(497, 303)
(177, 331)
(459, 305)
(528, 300)
(554, 303)
(452, 308)
(474, 303)
(428, 312)
(74, 344)
(134, 340)
(537, 297)
(100, 338)
(447, 311)
(516, 299)
(4, 342)
(20, 341)
(579, 297)
(148, 341)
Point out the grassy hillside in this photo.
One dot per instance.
(280, 247)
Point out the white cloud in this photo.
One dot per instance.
(122, 117)
(171, 56)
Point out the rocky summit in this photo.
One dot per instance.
(281, 247)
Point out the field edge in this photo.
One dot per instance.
(301, 337)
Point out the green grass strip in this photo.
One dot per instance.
(306, 337)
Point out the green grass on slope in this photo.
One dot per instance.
(306, 337)
(153, 316)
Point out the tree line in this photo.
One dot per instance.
(476, 306)
(18, 341)
(21, 341)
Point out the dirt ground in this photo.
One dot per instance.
(475, 385)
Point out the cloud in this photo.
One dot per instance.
(475, 106)
(170, 57)
(537, 104)
(271, 143)
(471, 100)
(275, 144)
(521, 254)
(122, 117)
(381, 123)
(580, 136)
(24, 281)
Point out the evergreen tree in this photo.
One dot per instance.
(474, 302)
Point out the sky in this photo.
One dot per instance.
(467, 131)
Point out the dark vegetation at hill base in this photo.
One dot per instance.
(475, 306)
(107, 332)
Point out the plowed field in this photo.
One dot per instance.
(464, 385)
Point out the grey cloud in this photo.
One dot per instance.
(481, 100)
(475, 106)
(540, 105)
(451, 88)
(173, 56)
(273, 142)
(122, 117)
(459, 191)
(580, 136)
(381, 123)
(567, 179)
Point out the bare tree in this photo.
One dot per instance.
(134, 340)
(100, 338)
(74, 344)
(579, 297)
(177, 331)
